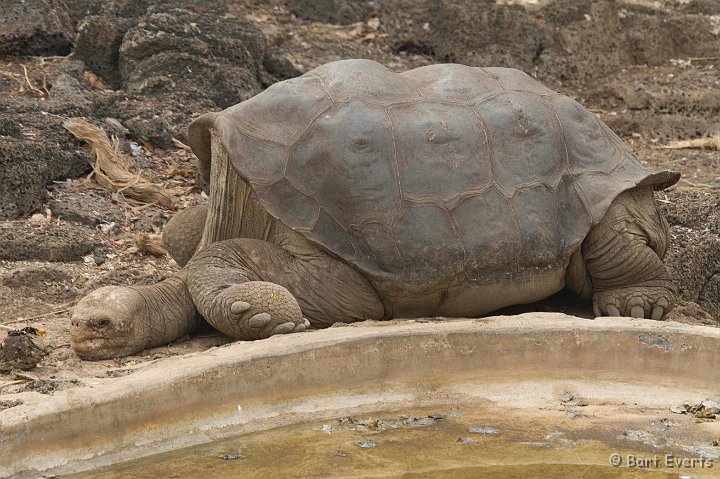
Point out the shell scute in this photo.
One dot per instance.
(263, 164)
(329, 232)
(489, 232)
(426, 238)
(539, 223)
(511, 79)
(364, 80)
(573, 216)
(441, 151)
(283, 199)
(346, 161)
(525, 139)
(452, 82)
(592, 147)
(376, 248)
(297, 101)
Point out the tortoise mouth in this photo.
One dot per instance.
(97, 348)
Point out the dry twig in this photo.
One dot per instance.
(32, 318)
(700, 186)
(13, 383)
(703, 59)
(151, 244)
(25, 376)
(29, 83)
(181, 145)
(712, 142)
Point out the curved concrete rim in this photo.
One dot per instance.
(249, 386)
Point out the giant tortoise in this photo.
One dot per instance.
(355, 193)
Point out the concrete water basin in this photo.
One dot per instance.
(580, 389)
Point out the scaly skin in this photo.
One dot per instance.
(623, 255)
(183, 232)
(117, 321)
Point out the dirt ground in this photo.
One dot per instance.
(649, 69)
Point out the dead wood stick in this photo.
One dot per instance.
(32, 318)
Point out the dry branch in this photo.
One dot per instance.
(112, 167)
(151, 244)
(712, 142)
(64, 309)
(181, 145)
(29, 83)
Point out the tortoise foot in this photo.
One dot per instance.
(256, 310)
(637, 302)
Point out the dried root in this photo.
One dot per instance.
(112, 168)
(712, 142)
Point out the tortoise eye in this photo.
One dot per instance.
(102, 323)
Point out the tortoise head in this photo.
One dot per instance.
(106, 324)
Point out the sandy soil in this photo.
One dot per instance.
(81, 236)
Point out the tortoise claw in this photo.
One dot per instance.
(638, 302)
(239, 307)
(283, 328)
(259, 320)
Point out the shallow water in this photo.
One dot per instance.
(451, 444)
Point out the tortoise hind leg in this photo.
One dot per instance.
(623, 257)
(182, 234)
(252, 289)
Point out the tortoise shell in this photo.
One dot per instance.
(442, 171)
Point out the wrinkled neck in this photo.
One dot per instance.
(233, 209)
(169, 311)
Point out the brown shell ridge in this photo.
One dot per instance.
(436, 99)
(324, 209)
(456, 230)
(452, 203)
(488, 147)
(494, 77)
(562, 133)
(586, 202)
(395, 159)
(238, 129)
(323, 85)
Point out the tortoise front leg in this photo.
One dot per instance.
(623, 257)
(252, 289)
(229, 283)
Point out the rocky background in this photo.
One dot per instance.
(142, 70)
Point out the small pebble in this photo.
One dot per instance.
(466, 440)
(483, 430)
(366, 444)
(232, 457)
